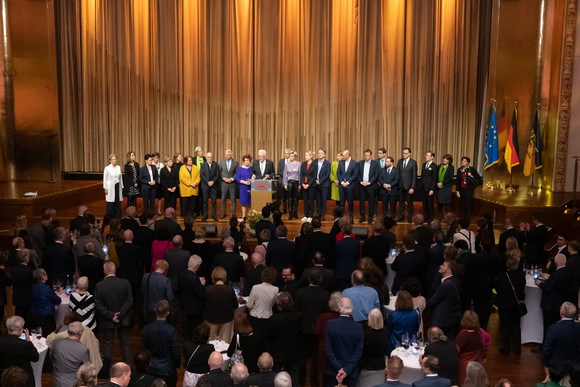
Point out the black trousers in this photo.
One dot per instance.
(392, 201)
(107, 337)
(170, 199)
(148, 192)
(509, 326)
(283, 196)
(114, 207)
(308, 201)
(428, 205)
(369, 194)
(188, 205)
(292, 196)
(210, 194)
(347, 195)
(404, 196)
(466, 200)
(440, 207)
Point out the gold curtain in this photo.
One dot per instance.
(250, 74)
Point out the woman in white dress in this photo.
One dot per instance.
(113, 186)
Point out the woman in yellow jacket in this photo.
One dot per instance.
(188, 186)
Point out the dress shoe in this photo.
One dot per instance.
(215, 218)
(204, 219)
(290, 217)
(503, 351)
(351, 220)
(362, 219)
(223, 216)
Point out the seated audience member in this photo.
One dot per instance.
(239, 374)
(404, 320)
(264, 378)
(446, 352)
(68, 355)
(393, 371)
(139, 376)
(373, 357)
(560, 348)
(15, 352)
(88, 338)
(217, 375)
(254, 277)
(285, 335)
(430, 367)
(249, 343)
(160, 338)
(283, 379)
(87, 376)
(15, 377)
(471, 342)
(364, 298)
(120, 375)
(220, 303)
(476, 376)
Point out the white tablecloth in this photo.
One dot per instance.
(411, 367)
(222, 346)
(532, 324)
(63, 308)
(42, 349)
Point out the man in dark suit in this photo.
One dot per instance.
(282, 193)
(198, 160)
(76, 223)
(209, 177)
(367, 178)
(347, 175)
(191, 289)
(423, 235)
(393, 370)
(130, 262)
(232, 262)
(281, 252)
(262, 168)
(346, 253)
(265, 223)
(113, 301)
(430, 367)
(445, 301)
(429, 185)
(389, 180)
(510, 231)
(143, 237)
(344, 341)
(169, 223)
(408, 170)
(91, 266)
(435, 257)
(327, 281)
(265, 377)
(314, 240)
(39, 235)
(15, 352)
(22, 284)
(177, 260)
(217, 375)
(562, 340)
(408, 264)
(322, 183)
(535, 240)
(573, 264)
(59, 260)
(446, 352)
(377, 248)
(120, 375)
(254, 277)
(129, 222)
(228, 168)
(381, 162)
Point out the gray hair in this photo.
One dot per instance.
(568, 309)
(75, 328)
(239, 373)
(229, 243)
(23, 255)
(224, 233)
(59, 233)
(83, 283)
(345, 307)
(282, 379)
(198, 148)
(194, 261)
(262, 151)
(334, 301)
(14, 323)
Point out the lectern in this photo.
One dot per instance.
(261, 191)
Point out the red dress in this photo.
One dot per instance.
(469, 348)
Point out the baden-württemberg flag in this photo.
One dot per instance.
(492, 145)
(535, 147)
(511, 147)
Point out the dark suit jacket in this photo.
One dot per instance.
(280, 169)
(347, 252)
(573, 265)
(92, 268)
(555, 290)
(113, 295)
(446, 304)
(233, 263)
(285, 335)
(312, 301)
(344, 341)
(535, 240)
(408, 175)
(307, 245)
(265, 224)
(506, 300)
(444, 193)
(223, 167)
(471, 182)
(160, 337)
(432, 381)
(268, 170)
(429, 177)
(409, 264)
(377, 248)
(208, 174)
(15, 352)
(178, 260)
(169, 179)
(76, 223)
(170, 225)
(280, 253)
(350, 176)
(561, 344)
(374, 172)
(59, 262)
(254, 277)
(512, 232)
(308, 176)
(193, 291)
(143, 237)
(144, 177)
(219, 377)
(393, 384)
(262, 379)
(130, 263)
(22, 285)
(129, 224)
(423, 236)
(446, 352)
(323, 174)
(328, 281)
(392, 179)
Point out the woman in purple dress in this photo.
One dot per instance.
(243, 177)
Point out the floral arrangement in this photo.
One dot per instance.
(254, 218)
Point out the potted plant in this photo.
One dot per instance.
(254, 218)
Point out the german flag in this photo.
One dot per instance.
(511, 147)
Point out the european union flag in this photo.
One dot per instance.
(492, 144)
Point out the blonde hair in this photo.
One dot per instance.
(375, 319)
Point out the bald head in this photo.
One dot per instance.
(170, 212)
(215, 360)
(265, 362)
(18, 243)
(82, 210)
(560, 260)
(257, 259)
(131, 211)
(177, 241)
(128, 236)
(239, 373)
(109, 268)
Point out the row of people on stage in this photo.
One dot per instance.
(195, 181)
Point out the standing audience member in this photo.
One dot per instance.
(446, 352)
(535, 240)
(281, 252)
(476, 375)
(177, 259)
(42, 303)
(264, 378)
(120, 375)
(364, 298)
(68, 355)
(260, 303)
(393, 370)
(196, 354)
(160, 338)
(510, 287)
(346, 254)
(192, 291)
(471, 342)
(282, 379)
(232, 262)
(59, 260)
(220, 302)
(464, 234)
(245, 339)
(254, 277)
(15, 352)
(239, 374)
(169, 223)
(373, 357)
(217, 375)
(404, 321)
(445, 300)
(39, 235)
(139, 376)
(156, 287)
(23, 280)
(83, 303)
(561, 343)
(203, 249)
(377, 248)
(430, 367)
(87, 376)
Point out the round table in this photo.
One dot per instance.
(411, 367)
(42, 349)
(62, 309)
(532, 324)
(222, 347)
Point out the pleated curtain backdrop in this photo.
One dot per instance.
(244, 75)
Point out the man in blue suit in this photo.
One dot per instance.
(389, 179)
(393, 370)
(346, 255)
(347, 175)
(562, 341)
(430, 367)
(322, 183)
(445, 301)
(368, 177)
(344, 341)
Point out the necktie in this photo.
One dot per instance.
(405, 163)
(390, 170)
(229, 163)
(382, 163)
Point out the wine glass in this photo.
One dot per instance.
(39, 333)
(405, 340)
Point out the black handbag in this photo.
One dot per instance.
(522, 308)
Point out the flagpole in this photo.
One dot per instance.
(511, 188)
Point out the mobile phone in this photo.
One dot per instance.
(105, 249)
(67, 289)
(23, 336)
(393, 252)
